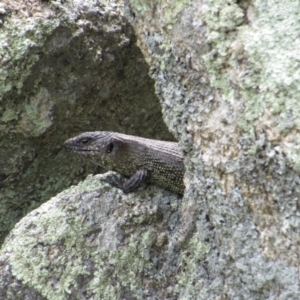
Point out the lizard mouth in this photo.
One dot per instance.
(80, 150)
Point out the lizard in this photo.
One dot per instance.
(137, 158)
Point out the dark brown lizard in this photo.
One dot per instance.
(140, 159)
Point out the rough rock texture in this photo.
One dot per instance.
(227, 74)
(65, 68)
(92, 242)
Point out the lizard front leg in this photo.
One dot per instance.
(131, 184)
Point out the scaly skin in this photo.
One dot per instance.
(141, 159)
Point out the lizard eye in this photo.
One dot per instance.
(84, 141)
(110, 147)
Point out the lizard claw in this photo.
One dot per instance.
(114, 180)
(128, 185)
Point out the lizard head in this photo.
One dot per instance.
(100, 146)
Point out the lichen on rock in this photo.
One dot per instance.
(91, 239)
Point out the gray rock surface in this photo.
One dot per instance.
(227, 77)
(92, 242)
(226, 74)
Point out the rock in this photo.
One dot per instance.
(227, 78)
(92, 242)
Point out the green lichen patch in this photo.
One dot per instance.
(71, 244)
(272, 44)
(190, 284)
(171, 9)
(17, 41)
(50, 252)
(222, 20)
(45, 247)
(38, 114)
(260, 61)
(121, 270)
